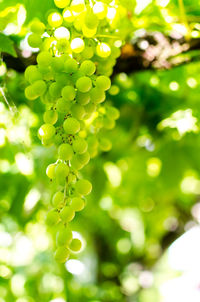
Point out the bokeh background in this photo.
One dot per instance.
(140, 229)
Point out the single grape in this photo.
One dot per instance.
(57, 63)
(71, 126)
(30, 93)
(75, 245)
(103, 50)
(62, 33)
(88, 67)
(55, 19)
(44, 59)
(52, 218)
(32, 74)
(61, 254)
(78, 111)
(84, 158)
(68, 15)
(50, 171)
(70, 66)
(64, 236)
(83, 187)
(58, 200)
(47, 131)
(77, 45)
(37, 27)
(88, 32)
(50, 117)
(68, 93)
(83, 98)
(65, 152)
(78, 5)
(63, 106)
(87, 53)
(39, 87)
(103, 82)
(61, 172)
(75, 163)
(97, 95)
(61, 3)
(91, 20)
(67, 214)
(79, 145)
(108, 123)
(100, 10)
(84, 84)
(55, 90)
(77, 204)
(34, 40)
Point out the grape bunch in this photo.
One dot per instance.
(78, 48)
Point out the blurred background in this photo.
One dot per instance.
(140, 229)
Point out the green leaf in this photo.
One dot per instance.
(7, 45)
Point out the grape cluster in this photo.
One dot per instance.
(77, 54)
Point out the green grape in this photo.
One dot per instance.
(62, 106)
(61, 254)
(68, 93)
(65, 152)
(61, 172)
(77, 45)
(75, 163)
(79, 145)
(57, 64)
(83, 98)
(68, 15)
(44, 59)
(78, 5)
(100, 10)
(105, 144)
(70, 66)
(97, 95)
(64, 236)
(77, 75)
(112, 112)
(88, 67)
(90, 108)
(75, 245)
(92, 142)
(77, 204)
(71, 126)
(62, 78)
(52, 218)
(58, 200)
(50, 117)
(84, 158)
(39, 87)
(71, 178)
(91, 20)
(103, 50)
(55, 90)
(88, 32)
(61, 3)
(55, 19)
(34, 40)
(103, 82)
(78, 111)
(32, 74)
(67, 214)
(30, 93)
(37, 27)
(83, 187)
(62, 45)
(84, 84)
(50, 171)
(47, 131)
(108, 123)
(87, 53)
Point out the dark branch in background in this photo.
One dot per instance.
(145, 51)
